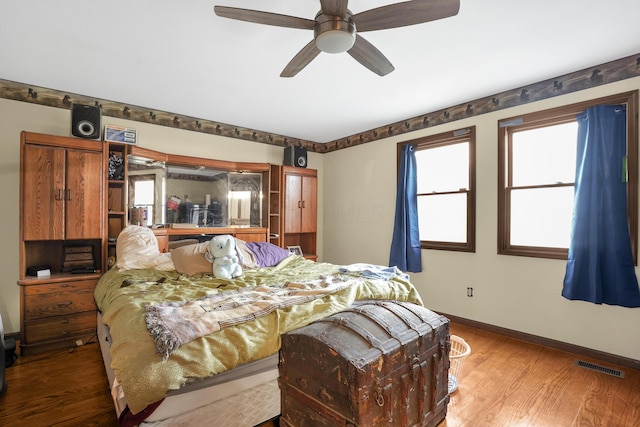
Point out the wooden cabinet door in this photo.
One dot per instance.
(43, 193)
(292, 203)
(300, 205)
(309, 197)
(83, 195)
(62, 196)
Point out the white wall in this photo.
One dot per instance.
(356, 200)
(17, 116)
(517, 293)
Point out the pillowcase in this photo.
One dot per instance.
(137, 248)
(190, 259)
(164, 262)
(246, 258)
(174, 244)
(267, 254)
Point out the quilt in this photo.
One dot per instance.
(147, 372)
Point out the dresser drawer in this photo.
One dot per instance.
(70, 286)
(58, 299)
(61, 327)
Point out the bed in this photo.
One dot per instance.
(181, 346)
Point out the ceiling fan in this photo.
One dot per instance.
(337, 30)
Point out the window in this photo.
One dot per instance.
(537, 164)
(446, 190)
(144, 199)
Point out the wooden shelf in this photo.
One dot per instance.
(275, 205)
(116, 203)
(58, 278)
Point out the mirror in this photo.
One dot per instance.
(146, 191)
(245, 199)
(162, 193)
(197, 195)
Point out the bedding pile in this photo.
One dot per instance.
(147, 373)
(173, 324)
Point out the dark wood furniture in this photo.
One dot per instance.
(299, 191)
(61, 188)
(289, 210)
(249, 234)
(377, 363)
(61, 206)
(116, 202)
(169, 232)
(68, 198)
(275, 206)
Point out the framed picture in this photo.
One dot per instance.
(114, 133)
(295, 250)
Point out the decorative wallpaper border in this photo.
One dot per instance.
(621, 69)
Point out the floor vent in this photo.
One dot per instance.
(598, 368)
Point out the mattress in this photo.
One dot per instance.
(244, 396)
(249, 408)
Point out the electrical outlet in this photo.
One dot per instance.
(469, 291)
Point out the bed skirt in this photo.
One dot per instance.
(245, 396)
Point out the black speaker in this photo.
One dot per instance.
(295, 155)
(85, 121)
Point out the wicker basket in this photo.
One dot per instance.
(459, 351)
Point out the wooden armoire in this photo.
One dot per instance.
(61, 239)
(300, 208)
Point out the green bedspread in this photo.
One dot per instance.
(146, 378)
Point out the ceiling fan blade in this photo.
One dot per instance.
(367, 54)
(301, 60)
(266, 18)
(405, 13)
(334, 7)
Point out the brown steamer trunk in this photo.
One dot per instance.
(378, 363)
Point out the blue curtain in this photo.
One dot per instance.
(600, 268)
(405, 246)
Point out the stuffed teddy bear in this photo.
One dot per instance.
(222, 254)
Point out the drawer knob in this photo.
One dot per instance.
(65, 304)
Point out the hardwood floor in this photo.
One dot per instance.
(61, 388)
(507, 382)
(504, 382)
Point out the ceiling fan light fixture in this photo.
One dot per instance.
(335, 41)
(334, 28)
(334, 34)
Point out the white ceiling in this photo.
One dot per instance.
(179, 57)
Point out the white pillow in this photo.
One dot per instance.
(137, 248)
